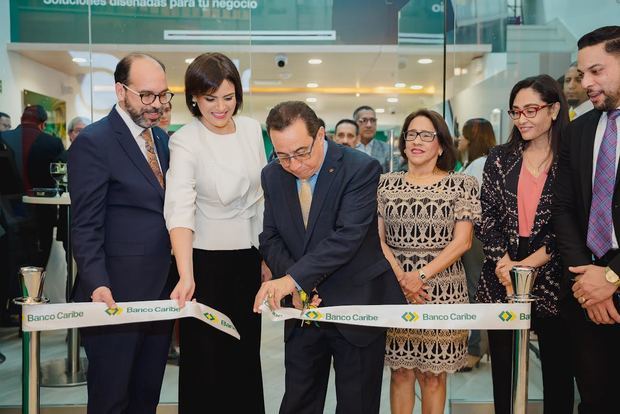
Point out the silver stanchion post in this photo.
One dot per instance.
(31, 279)
(522, 278)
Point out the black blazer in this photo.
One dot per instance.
(499, 230)
(118, 230)
(573, 195)
(339, 253)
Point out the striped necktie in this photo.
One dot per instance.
(151, 156)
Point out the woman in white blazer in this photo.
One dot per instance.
(214, 212)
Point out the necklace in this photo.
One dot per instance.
(422, 177)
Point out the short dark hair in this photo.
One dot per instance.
(610, 35)
(447, 159)
(121, 73)
(348, 121)
(362, 108)
(34, 114)
(286, 113)
(479, 132)
(3, 115)
(206, 74)
(550, 91)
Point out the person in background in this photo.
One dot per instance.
(347, 133)
(426, 218)
(214, 212)
(479, 138)
(166, 119)
(366, 118)
(587, 222)
(76, 126)
(576, 95)
(516, 198)
(5, 122)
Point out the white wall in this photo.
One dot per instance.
(582, 16)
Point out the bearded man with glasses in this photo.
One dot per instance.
(120, 241)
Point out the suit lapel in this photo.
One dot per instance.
(329, 170)
(586, 146)
(129, 145)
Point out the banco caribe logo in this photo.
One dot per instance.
(210, 317)
(410, 316)
(506, 316)
(114, 311)
(314, 315)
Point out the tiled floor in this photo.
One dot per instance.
(474, 386)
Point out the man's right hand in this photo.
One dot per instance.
(103, 294)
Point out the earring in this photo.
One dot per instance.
(193, 104)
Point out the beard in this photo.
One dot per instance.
(573, 102)
(137, 114)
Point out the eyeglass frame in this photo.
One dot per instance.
(143, 94)
(536, 108)
(288, 158)
(364, 121)
(418, 135)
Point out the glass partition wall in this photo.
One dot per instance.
(458, 57)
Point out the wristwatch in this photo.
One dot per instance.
(612, 277)
(422, 275)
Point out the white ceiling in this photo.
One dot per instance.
(346, 71)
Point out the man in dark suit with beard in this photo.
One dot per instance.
(586, 218)
(120, 242)
(320, 235)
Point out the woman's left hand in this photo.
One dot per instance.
(502, 271)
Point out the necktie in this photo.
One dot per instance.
(151, 156)
(600, 224)
(305, 200)
(572, 114)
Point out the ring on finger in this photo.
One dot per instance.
(582, 300)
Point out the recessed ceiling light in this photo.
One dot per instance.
(312, 85)
(189, 60)
(457, 71)
(315, 61)
(464, 71)
(425, 61)
(399, 85)
(392, 100)
(380, 110)
(357, 95)
(79, 60)
(416, 87)
(311, 100)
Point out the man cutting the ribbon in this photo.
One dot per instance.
(320, 237)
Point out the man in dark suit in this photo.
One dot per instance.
(120, 241)
(320, 236)
(586, 219)
(34, 150)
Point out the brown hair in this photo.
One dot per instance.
(206, 74)
(479, 133)
(447, 160)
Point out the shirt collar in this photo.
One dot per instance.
(134, 128)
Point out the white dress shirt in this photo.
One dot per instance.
(213, 185)
(598, 139)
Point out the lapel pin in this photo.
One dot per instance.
(331, 170)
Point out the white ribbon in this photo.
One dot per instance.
(504, 316)
(46, 317)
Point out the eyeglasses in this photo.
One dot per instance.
(148, 98)
(529, 112)
(364, 121)
(299, 156)
(425, 136)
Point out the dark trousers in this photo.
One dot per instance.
(218, 373)
(359, 371)
(555, 357)
(126, 366)
(596, 360)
